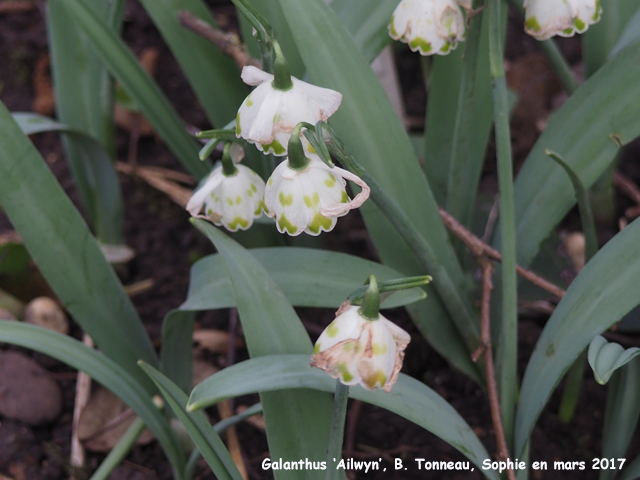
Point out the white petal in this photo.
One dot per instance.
(546, 18)
(254, 76)
(197, 200)
(326, 99)
(261, 130)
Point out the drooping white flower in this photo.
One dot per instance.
(546, 18)
(428, 26)
(268, 115)
(312, 199)
(361, 351)
(232, 200)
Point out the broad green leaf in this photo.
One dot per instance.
(93, 170)
(68, 257)
(200, 430)
(408, 398)
(104, 371)
(307, 277)
(270, 327)
(372, 132)
(605, 290)
(177, 340)
(367, 23)
(602, 114)
(605, 358)
(212, 75)
(85, 100)
(621, 414)
(124, 66)
(629, 35)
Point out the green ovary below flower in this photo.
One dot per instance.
(429, 26)
(310, 200)
(268, 115)
(546, 18)
(229, 200)
(361, 351)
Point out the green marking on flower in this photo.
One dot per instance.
(285, 200)
(260, 207)
(250, 192)
(568, 31)
(274, 147)
(420, 44)
(348, 346)
(378, 349)
(580, 25)
(344, 372)
(378, 377)
(249, 102)
(254, 188)
(270, 182)
(331, 181)
(238, 200)
(238, 129)
(230, 201)
(316, 199)
(332, 330)
(446, 47)
(318, 222)
(285, 224)
(316, 348)
(392, 28)
(344, 198)
(307, 201)
(209, 211)
(532, 24)
(596, 14)
(243, 222)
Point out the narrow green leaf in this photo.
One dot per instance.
(271, 326)
(60, 243)
(307, 277)
(372, 132)
(621, 415)
(177, 340)
(103, 370)
(605, 290)
(605, 358)
(629, 35)
(124, 66)
(200, 430)
(408, 398)
(633, 470)
(212, 75)
(601, 115)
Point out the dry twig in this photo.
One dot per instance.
(83, 392)
(159, 179)
(479, 249)
(229, 43)
(16, 6)
(630, 189)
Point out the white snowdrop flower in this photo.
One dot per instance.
(546, 18)
(232, 196)
(429, 26)
(268, 115)
(310, 199)
(361, 351)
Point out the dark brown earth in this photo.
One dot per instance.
(167, 245)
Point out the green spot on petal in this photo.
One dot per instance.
(270, 182)
(332, 330)
(274, 147)
(230, 202)
(319, 222)
(249, 102)
(238, 221)
(378, 349)
(580, 25)
(344, 372)
(345, 197)
(238, 200)
(250, 193)
(307, 201)
(378, 377)
(253, 187)
(420, 44)
(331, 181)
(286, 225)
(238, 129)
(392, 29)
(568, 31)
(285, 200)
(446, 47)
(316, 348)
(259, 208)
(532, 24)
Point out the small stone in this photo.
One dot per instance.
(27, 391)
(45, 312)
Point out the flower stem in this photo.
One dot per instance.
(228, 167)
(297, 159)
(334, 452)
(256, 19)
(371, 303)
(120, 451)
(508, 338)
(281, 73)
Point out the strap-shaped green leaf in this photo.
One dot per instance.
(308, 278)
(602, 114)
(176, 356)
(605, 358)
(103, 370)
(374, 135)
(200, 430)
(633, 470)
(124, 66)
(629, 35)
(605, 290)
(67, 254)
(408, 398)
(297, 421)
(213, 76)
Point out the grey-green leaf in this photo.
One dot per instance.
(605, 290)
(308, 278)
(408, 398)
(605, 358)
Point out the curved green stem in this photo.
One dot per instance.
(120, 451)
(281, 73)
(297, 159)
(334, 452)
(256, 19)
(228, 167)
(371, 303)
